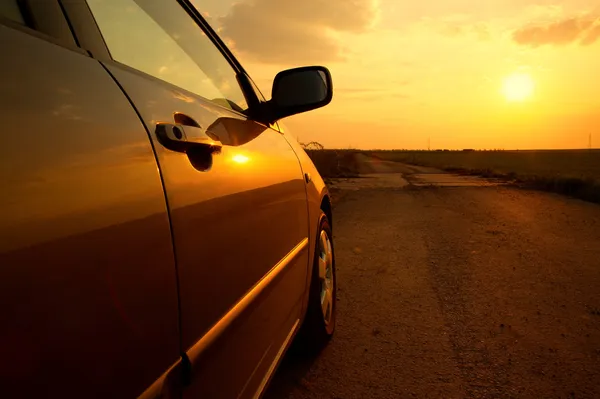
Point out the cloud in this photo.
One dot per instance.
(584, 30)
(375, 94)
(591, 36)
(458, 25)
(482, 32)
(358, 91)
(479, 30)
(291, 32)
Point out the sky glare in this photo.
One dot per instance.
(460, 73)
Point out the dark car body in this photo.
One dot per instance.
(128, 267)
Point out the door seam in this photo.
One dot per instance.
(164, 188)
(309, 265)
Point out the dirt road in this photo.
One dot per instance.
(453, 287)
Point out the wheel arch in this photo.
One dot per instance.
(326, 208)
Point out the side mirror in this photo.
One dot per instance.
(299, 90)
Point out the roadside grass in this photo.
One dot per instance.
(335, 163)
(571, 172)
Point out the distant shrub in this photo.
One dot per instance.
(313, 145)
(335, 163)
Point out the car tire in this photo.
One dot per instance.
(321, 312)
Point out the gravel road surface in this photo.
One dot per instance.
(455, 287)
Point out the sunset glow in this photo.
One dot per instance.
(518, 87)
(456, 73)
(240, 158)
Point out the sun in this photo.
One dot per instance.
(518, 87)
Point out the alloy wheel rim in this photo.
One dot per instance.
(326, 276)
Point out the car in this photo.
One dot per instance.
(162, 235)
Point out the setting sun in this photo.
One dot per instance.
(518, 87)
(523, 68)
(240, 158)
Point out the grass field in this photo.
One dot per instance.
(570, 172)
(335, 163)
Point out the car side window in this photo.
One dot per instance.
(10, 9)
(257, 91)
(161, 39)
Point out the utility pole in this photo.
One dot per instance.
(428, 143)
(590, 141)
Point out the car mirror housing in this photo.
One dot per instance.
(299, 90)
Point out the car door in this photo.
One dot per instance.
(235, 190)
(87, 270)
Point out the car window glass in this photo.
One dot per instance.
(257, 90)
(161, 39)
(10, 9)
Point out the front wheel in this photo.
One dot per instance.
(319, 323)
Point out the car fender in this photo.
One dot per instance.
(318, 200)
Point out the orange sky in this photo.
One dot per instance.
(407, 71)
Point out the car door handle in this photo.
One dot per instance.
(180, 138)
